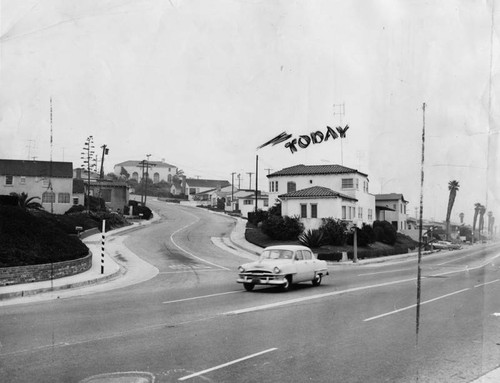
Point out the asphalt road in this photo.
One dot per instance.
(193, 323)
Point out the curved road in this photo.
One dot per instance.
(193, 323)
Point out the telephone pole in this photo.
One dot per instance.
(250, 181)
(232, 189)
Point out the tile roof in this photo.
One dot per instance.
(316, 192)
(157, 164)
(302, 170)
(36, 168)
(389, 197)
(202, 183)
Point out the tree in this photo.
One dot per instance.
(453, 187)
(124, 173)
(482, 210)
(477, 206)
(27, 203)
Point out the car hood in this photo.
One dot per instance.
(267, 264)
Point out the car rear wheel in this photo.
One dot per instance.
(248, 286)
(288, 283)
(317, 280)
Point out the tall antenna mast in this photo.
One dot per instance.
(52, 197)
(339, 110)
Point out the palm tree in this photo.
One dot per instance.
(482, 210)
(27, 203)
(477, 206)
(453, 187)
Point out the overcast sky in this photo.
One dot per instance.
(203, 83)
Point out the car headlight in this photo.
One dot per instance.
(277, 270)
(241, 269)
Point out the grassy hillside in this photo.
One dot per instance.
(37, 237)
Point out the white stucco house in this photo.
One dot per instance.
(314, 192)
(194, 186)
(245, 202)
(392, 208)
(52, 182)
(158, 170)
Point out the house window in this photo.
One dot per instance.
(276, 186)
(169, 178)
(75, 201)
(22, 180)
(135, 176)
(63, 197)
(347, 183)
(314, 210)
(344, 212)
(266, 202)
(360, 212)
(9, 180)
(370, 214)
(156, 178)
(303, 210)
(48, 197)
(291, 187)
(248, 202)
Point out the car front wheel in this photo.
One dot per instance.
(248, 286)
(317, 280)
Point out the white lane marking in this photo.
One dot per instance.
(487, 283)
(192, 271)
(311, 297)
(227, 364)
(203, 296)
(385, 272)
(412, 306)
(189, 253)
(453, 260)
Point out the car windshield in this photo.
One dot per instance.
(276, 254)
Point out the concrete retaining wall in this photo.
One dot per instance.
(45, 272)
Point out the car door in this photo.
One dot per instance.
(300, 267)
(309, 265)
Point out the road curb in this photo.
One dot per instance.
(67, 286)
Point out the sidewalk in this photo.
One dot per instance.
(121, 268)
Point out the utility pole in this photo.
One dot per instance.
(239, 181)
(250, 181)
(144, 164)
(105, 151)
(232, 189)
(256, 181)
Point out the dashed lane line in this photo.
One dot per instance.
(227, 364)
(203, 296)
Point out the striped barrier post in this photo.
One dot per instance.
(102, 244)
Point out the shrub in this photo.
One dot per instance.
(334, 231)
(311, 238)
(384, 232)
(282, 228)
(361, 236)
(258, 216)
(275, 209)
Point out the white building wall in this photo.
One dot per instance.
(36, 186)
(334, 182)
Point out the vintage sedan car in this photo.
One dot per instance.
(445, 245)
(282, 266)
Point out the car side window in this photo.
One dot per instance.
(307, 255)
(298, 255)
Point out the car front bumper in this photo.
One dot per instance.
(262, 280)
